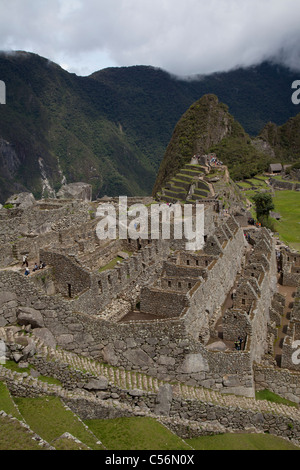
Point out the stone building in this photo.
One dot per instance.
(144, 304)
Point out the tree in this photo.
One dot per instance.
(264, 204)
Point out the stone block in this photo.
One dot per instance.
(194, 363)
(164, 400)
(30, 316)
(100, 383)
(46, 336)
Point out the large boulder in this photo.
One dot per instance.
(164, 400)
(81, 191)
(30, 316)
(100, 383)
(46, 336)
(194, 363)
(21, 200)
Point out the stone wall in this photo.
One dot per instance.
(70, 279)
(283, 382)
(161, 303)
(212, 292)
(284, 185)
(290, 268)
(172, 348)
(291, 344)
(192, 418)
(160, 348)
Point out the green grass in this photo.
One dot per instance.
(7, 403)
(111, 264)
(13, 436)
(240, 442)
(12, 365)
(135, 434)
(287, 203)
(270, 396)
(68, 444)
(281, 178)
(50, 419)
(49, 380)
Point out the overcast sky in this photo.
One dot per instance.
(184, 37)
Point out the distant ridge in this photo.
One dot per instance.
(111, 129)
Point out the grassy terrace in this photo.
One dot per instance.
(135, 433)
(240, 442)
(287, 203)
(113, 262)
(50, 419)
(281, 178)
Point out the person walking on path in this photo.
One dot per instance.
(25, 261)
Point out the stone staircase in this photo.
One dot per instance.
(130, 380)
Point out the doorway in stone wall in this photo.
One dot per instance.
(69, 291)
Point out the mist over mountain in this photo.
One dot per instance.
(111, 129)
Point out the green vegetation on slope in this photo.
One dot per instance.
(207, 127)
(49, 418)
(273, 397)
(241, 442)
(284, 139)
(287, 203)
(13, 436)
(112, 129)
(7, 404)
(135, 434)
(244, 160)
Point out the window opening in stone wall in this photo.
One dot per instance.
(100, 287)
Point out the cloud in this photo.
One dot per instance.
(190, 37)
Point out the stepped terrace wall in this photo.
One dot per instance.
(284, 185)
(187, 417)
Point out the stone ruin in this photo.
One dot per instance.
(149, 305)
